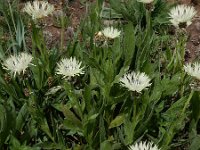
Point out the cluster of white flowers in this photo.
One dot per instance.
(182, 14)
(70, 67)
(17, 63)
(38, 9)
(135, 81)
(144, 146)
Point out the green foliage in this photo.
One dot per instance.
(92, 111)
(136, 12)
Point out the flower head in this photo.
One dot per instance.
(182, 14)
(144, 146)
(38, 9)
(145, 1)
(135, 81)
(17, 64)
(69, 67)
(193, 70)
(111, 32)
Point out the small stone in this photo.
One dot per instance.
(195, 40)
(197, 25)
(70, 32)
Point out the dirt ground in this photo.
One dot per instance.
(193, 44)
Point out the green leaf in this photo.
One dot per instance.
(117, 121)
(129, 128)
(174, 111)
(156, 93)
(38, 115)
(195, 101)
(108, 13)
(8, 121)
(94, 116)
(72, 124)
(129, 43)
(15, 144)
(171, 86)
(88, 97)
(70, 121)
(106, 145)
(92, 62)
(21, 118)
(50, 146)
(195, 145)
(102, 130)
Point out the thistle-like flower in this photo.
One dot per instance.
(69, 67)
(135, 81)
(17, 64)
(181, 15)
(146, 1)
(144, 146)
(111, 32)
(38, 9)
(193, 70)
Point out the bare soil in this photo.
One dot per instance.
(193, 44)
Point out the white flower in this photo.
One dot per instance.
(135, 81)
(69, 67)
(17, 64)
(145, 1)
(144, 146)
(38, 9)
(193, 69)
(182, 14)
(111, 33)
